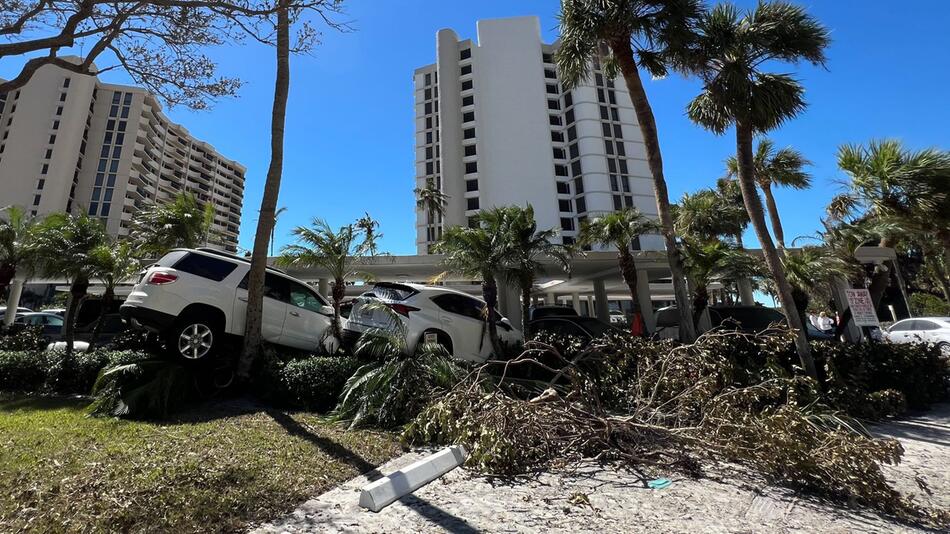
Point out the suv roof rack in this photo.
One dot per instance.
(228, 255)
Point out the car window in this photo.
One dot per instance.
(920, 324)
(559, 327)
(275, 287)
(302, 297)
(206, 267)
(460, 305)
(595, 327)
(751, 318)
(55, 321)
(901, 326)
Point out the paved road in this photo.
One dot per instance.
(592, 499)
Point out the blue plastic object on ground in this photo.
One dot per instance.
(659, 483)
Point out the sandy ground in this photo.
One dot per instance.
(595, 499)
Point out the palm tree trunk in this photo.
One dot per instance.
(107, 297)
(338, 292)
(490, 294)
(753, 206)
(628, 269)
(774, 217)
(700, 303)
(526, 286)
(881, 277)
(77, 291)
(265, 221)
(651, 141)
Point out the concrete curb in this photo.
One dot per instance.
(386, 490)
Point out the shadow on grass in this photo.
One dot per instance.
(12, 403)
(328, 446)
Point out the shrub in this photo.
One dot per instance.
(925, 304)
(22, 371)
(52, 372)
(143, 389)
(22, 338)
(315, 383)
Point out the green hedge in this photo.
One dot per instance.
(52, 372)
(315, 383)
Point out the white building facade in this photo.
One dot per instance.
(494, 127)
(69, 142)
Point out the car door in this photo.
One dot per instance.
(460, 317)
(899, 331)
(276, 295)
(307, 320)
(924, 331)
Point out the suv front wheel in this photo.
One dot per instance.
(193, 339)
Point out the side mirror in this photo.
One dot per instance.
(326, 309)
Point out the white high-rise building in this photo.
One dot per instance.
(69, 142)
(494, 127)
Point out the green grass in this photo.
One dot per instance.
(216, 469)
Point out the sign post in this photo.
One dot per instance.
(862, 307)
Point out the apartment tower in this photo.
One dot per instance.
(69, 142)
(494, 127)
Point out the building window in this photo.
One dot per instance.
(564, 205)
(468, 116)
(576, 168)
(62, 97)
(471, 185)
(465, 53)
(472, 203)
(36, 200)
(466, 85)
(468, 100)
(569, 116)
(469, 133)
(553, 104)
(471, 167)
(428, 80)
(551, 88)
(466, 69)
(559, 153)
(49, 153)
(52, 139)
(572, 133)
(547, 58)
(45, 168)
(428, 108)
(567, 224)
(557, 137)
(580, 203)
(41, 183)
(563, 188)
(567, 240)
(574, 151)
(549, 73)
(66, 83)
(469, 150)
(554, 120)
(560, 170)
(568, 100)
(579, 185)
(59, 110)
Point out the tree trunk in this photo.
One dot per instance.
(77, 291)
(651, 141)
(753, 206)
(490, 294)
(107, 297)
(526, 307)
(628, 269)
(774, 217)
(265, 220)
(338, 292)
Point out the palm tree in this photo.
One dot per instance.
(369, 227)
(888, 182)
(728, 55)
(810, 271)
(63, 246)
(528, 246)
(273, 228)
(481, 252)
(336, 251)
(268, 209)
(783, 167)
(710, 260)
(431, 199)
(114, 263)
(618, 230)
(16, 228)
(632, 34)
(707, 215)
(183, 222)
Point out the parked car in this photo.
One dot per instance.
(19, 311)
(51, 324)
(538, 312)
(197, 297)
(429, 314)
(585, 328)
(750, 319)
(934, 330)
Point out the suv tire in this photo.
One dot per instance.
(193, 338)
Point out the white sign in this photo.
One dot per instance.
(862, 307)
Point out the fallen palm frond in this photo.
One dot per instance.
(728, 396)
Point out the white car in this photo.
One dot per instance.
(934, 330)
(429, 314)
(196, 297)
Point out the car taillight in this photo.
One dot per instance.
(402, 309)
(160, 278)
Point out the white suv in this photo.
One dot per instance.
(432, 314)
(195, 298)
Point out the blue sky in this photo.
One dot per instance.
(349, 145)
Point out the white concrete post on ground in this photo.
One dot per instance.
(746, 297)
(323, 286)
(646, 303)
(590, 306)
(576, 302)
(600, 300)
(16, 289)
